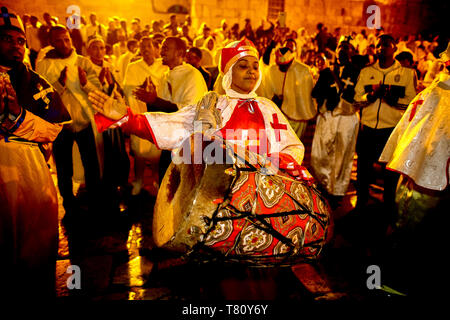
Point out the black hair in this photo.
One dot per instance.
(131, 42)
(179, 43)
(387, 36)
(56, 28)
(405, 55)
(196, 51)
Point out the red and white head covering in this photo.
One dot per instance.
(10, 21)
(235, 51)
(228, 58)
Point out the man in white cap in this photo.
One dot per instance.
(31, 117)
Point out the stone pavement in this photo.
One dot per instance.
(112, 252)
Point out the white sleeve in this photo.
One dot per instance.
(171, 129)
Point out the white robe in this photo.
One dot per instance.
(333, 147)
(135, 76)
(28, 200)
(121, 66)
(297, 104)
(183, 85)
(75, 97)
(419, 146)
(171, 129)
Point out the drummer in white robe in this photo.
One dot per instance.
(242, 76)
(140, 74)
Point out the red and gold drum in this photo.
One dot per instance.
(237, 213)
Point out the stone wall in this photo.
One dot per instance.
(213, 11)
(398, 16)
(146, 10)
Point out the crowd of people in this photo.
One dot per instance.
(354, 87)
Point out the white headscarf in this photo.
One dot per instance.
(226, 84)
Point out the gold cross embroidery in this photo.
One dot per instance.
(347, 83)
(43, 94)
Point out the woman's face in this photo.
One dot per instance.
(245, 74)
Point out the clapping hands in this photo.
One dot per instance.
(146, 92)
(105, 74)
(8, 97)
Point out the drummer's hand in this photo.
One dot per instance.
(113, 106)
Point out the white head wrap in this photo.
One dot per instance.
(226, 84)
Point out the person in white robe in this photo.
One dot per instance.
(95, 29)
(169, 130)
(123, 61)
(334, 141)
(419, 149)
(116, 164)
(181, 85)
(139, 74)
(289, 84)
(243, 121)
(73, 77)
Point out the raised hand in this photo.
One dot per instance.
(8, 98)
(102, 75)
(108, 76)
(146, 92)
(82, 76)
(63, 76)
(105, 74)
(113, 106)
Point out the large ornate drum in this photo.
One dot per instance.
(237, 213)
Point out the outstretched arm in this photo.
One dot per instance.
(112, 107)
(113, 112)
